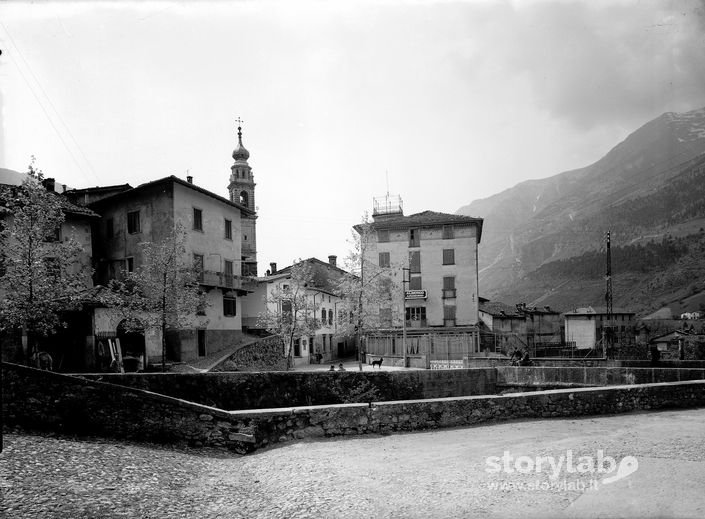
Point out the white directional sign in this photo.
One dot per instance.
(415, 294)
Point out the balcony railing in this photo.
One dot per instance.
(448, 293)
(210, 278)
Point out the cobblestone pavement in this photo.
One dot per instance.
(428, 474)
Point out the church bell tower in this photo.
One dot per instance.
(242, 191)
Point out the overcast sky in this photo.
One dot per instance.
(439, 102)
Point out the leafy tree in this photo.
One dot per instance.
(291, 310)
(163, 291)
(368, 291)
(42, 274)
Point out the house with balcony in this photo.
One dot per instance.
(147, 213)
(430, 261)
(220, 243)
(324, 299)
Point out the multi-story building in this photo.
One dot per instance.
(585, 328)
(430, 258)
(220, 241)
(72, 345)
(326, 343)
(531, 328)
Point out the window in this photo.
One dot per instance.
(244, 198)
(228, 229)
(323, 316)
(414, 238)
(449, 256)
(53, 268)
(198, 265)
(385, 316)
(109, 230)
(330, 317)
(386, 285)
(415, 262)
(448, 287)
(286, 311)
(415, 283)
(416, 313)
(130, 263)
(201, 308)
(449, 315)
(448, 232)
(133, 222)
(229, 306)
(384, 259)
(197, 219)
(297, 348)
(54, 236)
(228, 266)
(383, 235)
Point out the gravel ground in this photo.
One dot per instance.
(429, 474)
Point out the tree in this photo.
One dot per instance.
(42, 274)
(368, 290)
(163, 291)
(291, 310)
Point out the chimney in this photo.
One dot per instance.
(332, 259)
(189, 179)
(273, 268)
(63, 188)
(49, 184)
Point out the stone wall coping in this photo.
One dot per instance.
(498, 398)
(204, 409)
(279, 411)
(645, 368)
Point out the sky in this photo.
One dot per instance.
(439, 102)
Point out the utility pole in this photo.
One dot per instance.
(607, 337)
(404, 282)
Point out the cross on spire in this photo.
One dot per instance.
(239, 126)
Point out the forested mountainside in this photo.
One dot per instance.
(542, 236)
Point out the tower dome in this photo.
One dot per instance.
(240, 153)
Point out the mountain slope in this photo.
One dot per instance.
(648, 185)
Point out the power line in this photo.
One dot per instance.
(48, 100)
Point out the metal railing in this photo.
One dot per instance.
(220, 280)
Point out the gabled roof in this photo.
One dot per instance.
(497, 309)
(598, 310)
(6, 191)
(174, 180)
(673, 336)
(325, 275)
(424, 219)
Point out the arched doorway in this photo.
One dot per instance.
(131, 335)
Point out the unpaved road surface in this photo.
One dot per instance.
(429, 474)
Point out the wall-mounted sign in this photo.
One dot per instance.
(415, 294)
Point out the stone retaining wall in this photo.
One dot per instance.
(40, 399)
(259, 390)
(43, 400)
(592, 376)
(263, 355)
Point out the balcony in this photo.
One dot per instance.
(448, 293)
(209, 278)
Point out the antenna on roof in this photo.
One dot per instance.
(386, 176)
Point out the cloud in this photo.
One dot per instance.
(593, 64)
